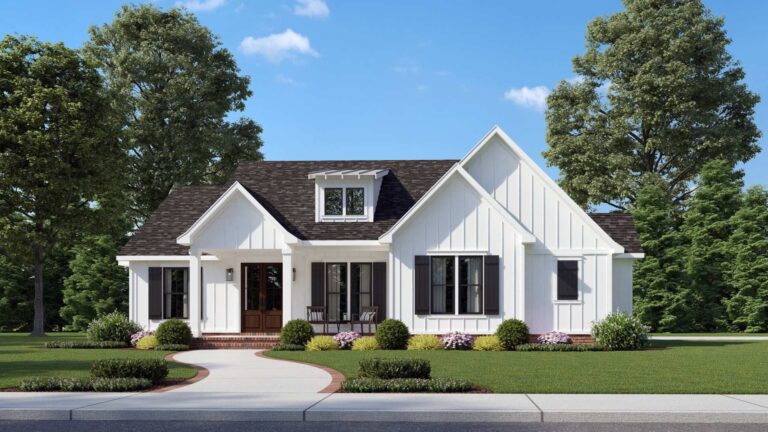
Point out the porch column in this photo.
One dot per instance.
(195, 298)
(287, 285)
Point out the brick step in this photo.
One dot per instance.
(233, 345)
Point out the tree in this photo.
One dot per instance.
(746, 265)
(657, 92)
(58, 150)
(661, 274)
(175, 85)
(707, 225)
(97, 284)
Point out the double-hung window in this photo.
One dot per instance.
(176, 292)
(567, 280)
(344, 201)
(470, 285)
(448, 296)
(336, 290)
(443, 274)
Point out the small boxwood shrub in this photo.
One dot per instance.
(147, 343)
(322, 343)
(154, 370)
(394, 368)
(365, 343)
(113, 326)
(288, 347)
(405, 385)
(296, 332)
(173, 331)
(487, 343)
(392, 334)
(620, 331)
(51, 384)
(77, 344)
(457, 341)
(172, 347)
(558, 347)
(512, 332)
(424, 342)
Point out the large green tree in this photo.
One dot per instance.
(58, 151)
(657, 92)
(175, 85)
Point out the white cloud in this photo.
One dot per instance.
(278, 46)
(312, 8)
(286, 80)
(529, 97)
(406, 67)
(201, 5)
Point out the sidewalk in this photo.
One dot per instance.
(342, 407)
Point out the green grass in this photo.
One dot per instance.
(23, 356)
(668, 367)
(709, 334)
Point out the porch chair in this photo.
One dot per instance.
(318, 315)
(367, 316)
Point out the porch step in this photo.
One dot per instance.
(236, 341)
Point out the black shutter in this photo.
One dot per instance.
(155, 293)
(567, 280)
(491, 288)
(318, 284)
(421, 284)
(380, 290)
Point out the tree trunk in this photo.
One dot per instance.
(38, 323)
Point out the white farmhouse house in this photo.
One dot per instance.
(442, 245)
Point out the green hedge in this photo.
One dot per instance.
(78, 344)
(405, 385)
(173, 332)
(392, 334)
(394, 368)
(154, 370)
(288, 347)
(84, 384)
(511, 333)
(296, 332)
(172, 347)
(559, 347)
(114, 326)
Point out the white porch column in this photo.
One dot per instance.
(195, 297)
(287, 285)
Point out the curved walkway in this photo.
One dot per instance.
(241, 371)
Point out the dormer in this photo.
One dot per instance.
(347, 195)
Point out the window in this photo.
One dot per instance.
(348, 201)
(568, 280)
(355, 204)
(274, 288)
(334, 201)
(443, 285)
(176, 292)
(470, 284)
(362, 280)
(336, 289)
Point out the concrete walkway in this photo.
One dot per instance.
(241, 371)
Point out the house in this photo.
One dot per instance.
(443, 245)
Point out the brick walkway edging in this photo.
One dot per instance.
(202, 373)
(336, 377)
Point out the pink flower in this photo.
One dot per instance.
(458, 341)
(554, 337)
(345, 339)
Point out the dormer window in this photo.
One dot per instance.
(355, 201)
(347, 195)
(348, 201)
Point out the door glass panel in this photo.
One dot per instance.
(361, 284)
(274, 288)
(252, 287)
(337, 291)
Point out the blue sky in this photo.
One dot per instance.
(401, 79)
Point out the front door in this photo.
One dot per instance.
(262, 297)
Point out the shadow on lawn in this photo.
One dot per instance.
(691, 343)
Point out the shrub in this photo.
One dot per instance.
(172, 347)
(405, 385)
(85, 344)
(458, 341)
(84, 384)
(287, 347)
(113, 326)
(394, 368)
(154, 370)
(620, 331)
(424, 343)
(365, 343)
(173, 331)
(345, 339)
(512, 332)
(147, 343)
(487, 343)
(558, 347)
(392, 334)
(296, 332)
(322, 343)
(554, 337)
(136, 337)
(120, 384)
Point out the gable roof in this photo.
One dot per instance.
(621, 227)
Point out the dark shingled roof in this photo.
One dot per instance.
(285, 191)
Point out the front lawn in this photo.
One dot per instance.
(668, 367)
(23, 356)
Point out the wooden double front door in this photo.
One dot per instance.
(262, 297)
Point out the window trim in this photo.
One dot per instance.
(185, 293)
(325, 201)
(457, 286)
(321, 212)
(481, 285)
(579, 277)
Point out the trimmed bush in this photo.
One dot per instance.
(172, 347)
(322, 343)
(136, 337)
(394, 368)
(392, 334)
(424, 343)
(620, 332)
(84, 384)
(154, 370)
(458, 341)
(512, 332)
(558, 347)
(288, 347)
(120, 384)
(85, 344)
(365, 343)
(296, 332)
(113, 326)
(147, 343)
(345, 339)
(487, 343)
(173, 331)
(406, 385)
(554, 337)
